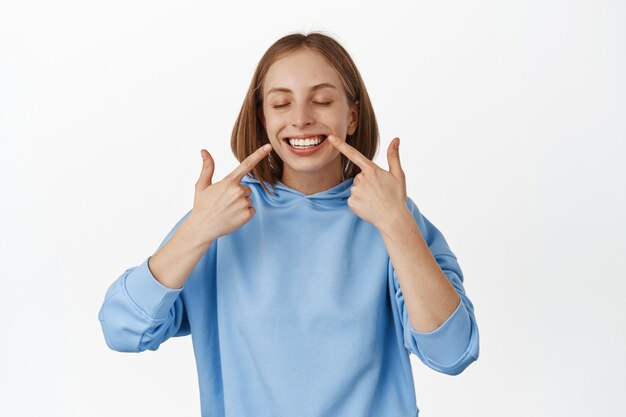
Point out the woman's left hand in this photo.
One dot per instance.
(378, 196)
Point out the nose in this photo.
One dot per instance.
(301, 116)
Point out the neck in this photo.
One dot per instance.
(311, 182)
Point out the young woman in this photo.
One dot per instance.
(306, 276)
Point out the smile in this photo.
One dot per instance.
(302, 145)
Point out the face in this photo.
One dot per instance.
(303, 98)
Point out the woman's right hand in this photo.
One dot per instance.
(223, 207)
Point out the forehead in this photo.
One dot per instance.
(299, 71)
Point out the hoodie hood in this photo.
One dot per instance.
(336, 196)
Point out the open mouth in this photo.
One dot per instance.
(307, 143)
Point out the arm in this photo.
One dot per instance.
(144, 307)
(178, 256)
(379, 197)
(437, 317)
(141, 311)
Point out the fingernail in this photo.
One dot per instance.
(267, 147)
(332, 138)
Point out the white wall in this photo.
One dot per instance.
(511, 116)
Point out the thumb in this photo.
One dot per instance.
(208, 167)
(393, 158)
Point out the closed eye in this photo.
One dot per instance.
(325, 103)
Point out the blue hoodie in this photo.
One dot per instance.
(297, 313)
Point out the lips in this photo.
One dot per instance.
(318, 140)
(307, 136)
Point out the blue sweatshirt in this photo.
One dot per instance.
(297, 313)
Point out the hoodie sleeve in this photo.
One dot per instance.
(139, 312)
(452, 346)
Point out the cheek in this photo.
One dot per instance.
(339, 118)
(335, 122)
(274, 120)
(271, 125)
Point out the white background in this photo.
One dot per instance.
(512, 124)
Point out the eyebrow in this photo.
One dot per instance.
(286, 90)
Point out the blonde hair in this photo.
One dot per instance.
(249, 134)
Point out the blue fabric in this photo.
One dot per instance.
(297, 313)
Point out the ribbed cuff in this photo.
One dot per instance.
(152, 297)
(449, 342)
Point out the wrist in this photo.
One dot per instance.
(193, 231)
(399, 221)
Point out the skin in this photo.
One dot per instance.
(302, 111)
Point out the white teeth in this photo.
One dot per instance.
(306, 143)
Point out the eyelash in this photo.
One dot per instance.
(327, 103)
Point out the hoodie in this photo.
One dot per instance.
(297, 313)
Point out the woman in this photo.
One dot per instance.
(307, 275)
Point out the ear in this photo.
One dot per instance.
(260, 115)
(354, 118)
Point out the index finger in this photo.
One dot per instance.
(352, 153)
(250, 162)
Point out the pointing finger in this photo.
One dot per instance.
(250, 162)
(352, 153)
